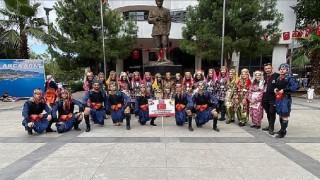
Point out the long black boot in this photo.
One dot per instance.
(49, 129)
(215, 121)
(190, 123)
(281, 121)
(152, 121)
(283, 130)
(86, 119)
(76, 126)
(128, 118)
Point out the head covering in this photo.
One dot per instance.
(284, 65)
(50, 78)
(199, 71)
(261, 83)
(96, 81)
(145, 79)
(214, 75)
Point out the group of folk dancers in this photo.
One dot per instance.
(200, 97)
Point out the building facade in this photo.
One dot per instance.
(140, 8)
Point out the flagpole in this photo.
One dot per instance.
(223, 28)
(103, 45)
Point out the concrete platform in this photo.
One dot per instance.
(171, 152)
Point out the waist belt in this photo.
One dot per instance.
(180, 107)
(116, 107)
(35, 117)
(66, 117)
(201, 108)
(96, 105)
(144, 107)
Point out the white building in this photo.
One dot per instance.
(140, 9)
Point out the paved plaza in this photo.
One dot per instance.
(171, 152)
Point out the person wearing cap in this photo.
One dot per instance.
(95, 105)
(118, 105)
(34, 119)
(63, 112)
(141, 107)
(229, 101)
(221, 91)
(206, 107)
(255, 98)
(285, 84)
(269, 97)
(184, 105)
(240, 97)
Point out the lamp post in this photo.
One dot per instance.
(47, 14)
(295, 9)
(223, 27)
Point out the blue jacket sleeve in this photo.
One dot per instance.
(213, 99)
(79, 104)
(136, 104)
(292, 85)
(126, 98)
(194, 98)
(107, 104)
(190, 102)
(85, 99)
(25, 110)
(55, 110)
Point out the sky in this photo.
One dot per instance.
(35, 45)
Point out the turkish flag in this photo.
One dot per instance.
(308, 30)
(295, 34)
(103, 1)
(286, 36)
(161, 106)
(318, 30)
(266, 37)
(300, 33)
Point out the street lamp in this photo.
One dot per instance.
(223, 27)
(47, 14)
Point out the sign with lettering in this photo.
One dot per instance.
(161, 107)
(19, 77)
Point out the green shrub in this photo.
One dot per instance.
(76, 86)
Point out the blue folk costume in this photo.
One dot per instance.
(97, 102)
(288, 84)
(32, 112)
(204, 104)
(117, 102)
(183, 102)
(66, 117)
(141, 108)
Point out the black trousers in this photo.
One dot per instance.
(270, 109)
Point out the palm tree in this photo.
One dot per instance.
(20, 22)
(311, 50)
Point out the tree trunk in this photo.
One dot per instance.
(23, 49)
(229, 62)
(315, 78)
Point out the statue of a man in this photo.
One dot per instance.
(161, 20)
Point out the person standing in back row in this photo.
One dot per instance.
(269, 97)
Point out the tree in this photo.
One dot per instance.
(247, 22)
(20, 21)
(308, 15)
(78, 34)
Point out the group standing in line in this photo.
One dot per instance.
(200, 97)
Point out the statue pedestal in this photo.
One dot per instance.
(162, 68)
